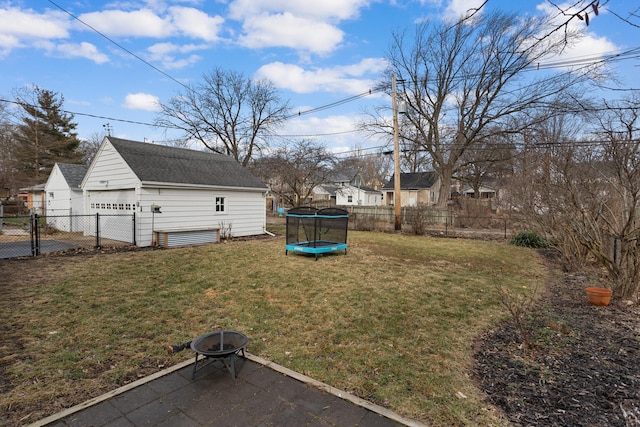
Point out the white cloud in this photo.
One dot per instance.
(457, 9)
(166, 54)
(81, 50)
(32, 25)
(142, 101)
(22, 28)
(301, 25)
(322, 10)
(350, 79)
(138, 23)
(287, 30)
(196, 24)
(177, 21)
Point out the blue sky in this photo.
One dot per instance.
(316, 52)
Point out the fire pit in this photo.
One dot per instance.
(225, 346)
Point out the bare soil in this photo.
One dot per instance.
(584, 367)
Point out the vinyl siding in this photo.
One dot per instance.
(192, 209)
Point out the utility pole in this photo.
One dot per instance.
(396, 158)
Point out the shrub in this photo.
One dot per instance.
(529, 239)
(419, 217)
(363, 222)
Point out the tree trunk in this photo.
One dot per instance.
(445, 185)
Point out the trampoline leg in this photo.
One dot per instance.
(286, 252)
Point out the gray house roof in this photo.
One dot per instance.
(159, 163)
(73, 174)
(413, 181)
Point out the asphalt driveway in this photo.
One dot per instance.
(22, 248)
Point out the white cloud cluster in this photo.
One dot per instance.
(176, 21)
(322, 10)
(301, 25)
(353, 79)
(51, 30)
(142, 101)
(22, 28)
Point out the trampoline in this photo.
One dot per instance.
(316, 231)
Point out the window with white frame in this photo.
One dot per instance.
(220, 204)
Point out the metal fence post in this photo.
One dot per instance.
(133, 219)
(97, 230)
(35, 235)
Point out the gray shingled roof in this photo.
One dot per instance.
(413, 181)
(73, 174)
(159, 163)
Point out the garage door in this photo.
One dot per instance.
(116, 208)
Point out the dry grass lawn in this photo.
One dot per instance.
(394, 321)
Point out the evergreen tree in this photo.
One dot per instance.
(45, 135)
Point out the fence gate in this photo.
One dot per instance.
(35, 234)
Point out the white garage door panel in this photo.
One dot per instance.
(116, 208)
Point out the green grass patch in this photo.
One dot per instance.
(393, 321)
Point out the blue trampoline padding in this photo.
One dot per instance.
(300, 247)
(316, 216)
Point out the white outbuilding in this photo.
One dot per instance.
(175, 196)
(64, 204)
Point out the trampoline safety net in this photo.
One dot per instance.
(317, 231)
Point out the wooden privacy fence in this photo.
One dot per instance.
(432, 218)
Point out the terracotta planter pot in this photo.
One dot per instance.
(599, 296)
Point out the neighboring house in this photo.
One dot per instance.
(33, 198)
(321, 193)
(347, 195)
(191, 191)
(63, 197)
(486, 192)
(415, 188)
(349, 177)
(347, 189)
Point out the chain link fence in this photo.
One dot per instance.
(33, 235)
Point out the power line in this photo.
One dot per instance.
(333, 104)
(95, 116)
(119, 45)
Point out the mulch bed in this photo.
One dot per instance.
(584, 369)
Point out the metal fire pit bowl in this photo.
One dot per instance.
(226, 346)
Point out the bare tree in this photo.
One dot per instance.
(585, 193)
(293, 171)
(546, 173)
(373, 168)
(89, 147)
(463, 81)
(228, 112)
(7, 151)
(615, 214)
(489, 159)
